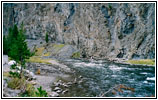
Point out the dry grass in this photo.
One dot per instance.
(39, 51)
(142, 61)
(47, 54)
(16, 83)
(36, 59)
(57, 47)
(6, 74)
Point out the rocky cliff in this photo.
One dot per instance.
(117, 30)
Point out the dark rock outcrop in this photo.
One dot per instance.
(115, 30)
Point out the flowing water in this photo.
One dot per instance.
(107, 79)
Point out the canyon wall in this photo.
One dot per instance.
(110, 30)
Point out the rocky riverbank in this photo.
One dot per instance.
(55, 78)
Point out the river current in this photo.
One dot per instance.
(107, 79)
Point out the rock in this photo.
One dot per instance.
(27, 71)
(75, 81)
(32, 74)
(18, 67)
(80, 81)
(65, 85)
(33, 82)
(5, 83)
(53, 94)
(12, 62)
(69, 83)
(29, 75)
(11, 93)
(57, 88)
(5, 59)
(65, 91)
(129, 27)
(66, 51)
(57, 84)
(80, 76)
(59, 91)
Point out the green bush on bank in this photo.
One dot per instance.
(76, 55)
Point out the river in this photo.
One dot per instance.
(107, 79)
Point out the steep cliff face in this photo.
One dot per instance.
(118, 30)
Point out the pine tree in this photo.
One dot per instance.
(5, 45)
(46, 38)
(18, 49)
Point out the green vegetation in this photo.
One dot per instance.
(37, 59)
(76, 55)
(110, 7)
(30, 91)
(5, 45)
(46, 38)
(41, 93)
(14, 74)
(17, 46)
(142, 61)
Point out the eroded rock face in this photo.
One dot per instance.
(118, 30)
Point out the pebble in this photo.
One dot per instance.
(12, 62)
(59, 91)
(66, 86)
(33, 82)
(69, 83)
(80, 76)
(27, 71)
(53, 94)
(65, 91)
(57, 84)
(57, 88)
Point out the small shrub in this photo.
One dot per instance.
(46, 38)
(5, 45)
(76, 55)
(14, 74)
(30, 90)
(41, 93)
(110, 7)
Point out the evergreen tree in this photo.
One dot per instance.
(46, 38)
(18, 49)
(5, 45)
